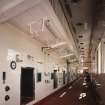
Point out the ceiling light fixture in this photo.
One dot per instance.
(67, 55)
(80, 36)
(79, 24)
(58, 45)
(81, 43)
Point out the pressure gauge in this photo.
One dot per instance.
(13, 65)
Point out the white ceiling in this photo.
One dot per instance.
(31, 18)
(34, 17)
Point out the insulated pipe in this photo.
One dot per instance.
(57, 30)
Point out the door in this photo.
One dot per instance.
(27, 85)
(55, 79)
(63, 77)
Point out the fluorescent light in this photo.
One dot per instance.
(58, 45)
(66, 55)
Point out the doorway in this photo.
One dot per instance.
(55, 79)
(63, 77)
(27, 85)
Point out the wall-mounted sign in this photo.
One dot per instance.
(13, 65)
(39, 77)
(19, 58)
(47, 73)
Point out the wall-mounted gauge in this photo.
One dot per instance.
(13, 65)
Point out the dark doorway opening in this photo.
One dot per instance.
(55, 79)
(63, 77)
(27, 85)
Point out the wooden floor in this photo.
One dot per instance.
(70, 96)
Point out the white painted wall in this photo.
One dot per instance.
(98, 62)
(12, 39)
(103, 55)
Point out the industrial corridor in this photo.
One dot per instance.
(52, 52)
